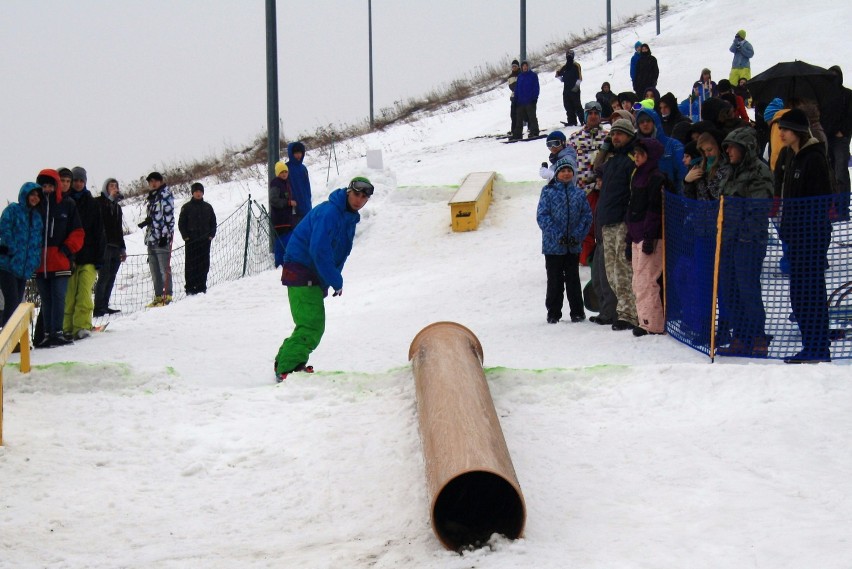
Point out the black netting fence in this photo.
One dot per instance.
(760, 278)
(241, 248)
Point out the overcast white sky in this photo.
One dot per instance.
(122, 88)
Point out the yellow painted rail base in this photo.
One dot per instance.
(16, 331)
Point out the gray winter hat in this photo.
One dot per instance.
(79, 173)
(625, 126)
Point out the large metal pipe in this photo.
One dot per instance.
(472, 485)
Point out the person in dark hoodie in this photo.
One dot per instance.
(313, 263)
(299, 178)
(801, 175)
(511, 80)
(21, 233)
(115, 252)
(837, 123)
(605, 97)
(671, 162)
(63, 238)
(571, 76)
(197, 226)
(647, 71)
(670, 115)
(79, 303)
(644, 235)
(282, 210)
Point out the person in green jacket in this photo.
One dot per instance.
(745, 232)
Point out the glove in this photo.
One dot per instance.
(628, 252)
(144, 223)
(545, 172)
(4, 250)
(607, 144)
(338, 292)
(576, 87)
(648, 246)
(163, 242)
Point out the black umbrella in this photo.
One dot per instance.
(794, 79)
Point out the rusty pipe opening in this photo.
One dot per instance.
(473, 506)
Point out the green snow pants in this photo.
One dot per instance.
(308, 309)
(79, 302)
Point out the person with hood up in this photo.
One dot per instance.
(299, 179)
(743, 52)
(634, 60)
(647, 70)
(79, 303)
(704, 181)
(605, 98)
(526, 100)
(644, 235)
(282, 210)
(159, 227)
(571, 76)
(671, 117)
(313, 263)
(745, 234)
(837, 123)
(21, 232)
(116, 251)
(63, 238)
(671, 162)
(564, 217)
(802, 174)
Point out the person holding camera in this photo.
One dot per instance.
(159, 228)
(564, 217)
(743, 52)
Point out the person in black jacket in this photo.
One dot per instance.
(647, 71)
(571, 76)
(197, 226)
(837, 123)
(282, 211)
(802, 174)
(115, 252)
(79, 303)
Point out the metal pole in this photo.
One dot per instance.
(271, 88)
(272, 120)
(609, 30)
(658, 17)
(370, 33)
(248, 232)
(523, 30)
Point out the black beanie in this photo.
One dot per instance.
(154, 176)
(795, 120)
(196, 187)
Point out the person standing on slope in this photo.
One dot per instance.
(571, 76)
(313, 263)
(300, 181)
(526, 99)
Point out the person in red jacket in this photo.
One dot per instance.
(63, 237)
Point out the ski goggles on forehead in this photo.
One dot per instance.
(363, 187)
(553, 143)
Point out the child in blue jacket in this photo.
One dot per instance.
(564, 217)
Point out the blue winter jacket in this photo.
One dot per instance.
(743, 52)
(671, 164)
(21, 229)
(526, 89)
(300, 182)
(323, 240)
(633, 61)
(563, 213)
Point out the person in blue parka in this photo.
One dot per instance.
(21, 227)
(649, 125)
(299, 179)
(313, 263)
(526, 98)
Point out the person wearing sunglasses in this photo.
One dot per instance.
(313, 263)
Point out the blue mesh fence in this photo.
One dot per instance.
(241, 248)
(780, 284)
